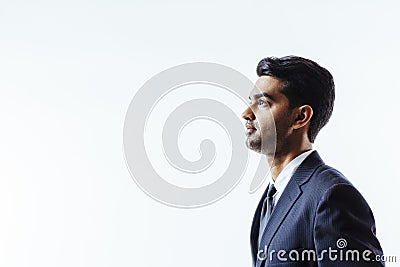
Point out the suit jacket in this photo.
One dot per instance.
(319, 213)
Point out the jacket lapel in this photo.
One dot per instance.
(286, 201)
(290, 195)
(255, 228)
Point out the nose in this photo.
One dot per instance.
(248, 114)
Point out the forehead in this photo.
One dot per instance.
(269, 85)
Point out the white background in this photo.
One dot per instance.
(69, 69)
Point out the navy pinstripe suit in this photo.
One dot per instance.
(318, 207)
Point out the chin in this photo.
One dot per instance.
(254, 145)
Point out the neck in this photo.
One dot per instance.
(281, 159)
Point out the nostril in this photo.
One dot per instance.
(248, 114)
(245, 115)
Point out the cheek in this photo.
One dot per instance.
(274, 121)
(282, 123)
(265, 119)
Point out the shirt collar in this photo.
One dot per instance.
(283, 178)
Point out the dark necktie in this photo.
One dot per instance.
(266, 210)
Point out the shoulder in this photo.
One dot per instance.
(315, 175)
(320, 182)
(327, 185)
(332, 189)
(326, 179)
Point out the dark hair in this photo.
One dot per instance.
(305, 83)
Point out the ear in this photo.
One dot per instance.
(303, 116)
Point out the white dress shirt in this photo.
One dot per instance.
(283, 178)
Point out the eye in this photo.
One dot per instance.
(262, 102)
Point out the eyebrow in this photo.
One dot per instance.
(256, 96)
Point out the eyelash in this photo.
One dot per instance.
(260, 102)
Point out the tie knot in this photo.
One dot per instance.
(271, 191)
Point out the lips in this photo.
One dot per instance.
(250, 128)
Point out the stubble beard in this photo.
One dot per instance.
(261, 145)
(254, 143)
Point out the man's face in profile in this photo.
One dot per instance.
(267, 117)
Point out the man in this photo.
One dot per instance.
(310, 214)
